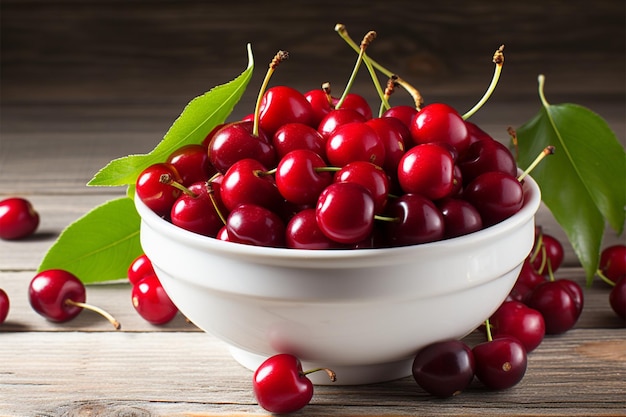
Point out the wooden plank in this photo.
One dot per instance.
(156, 374)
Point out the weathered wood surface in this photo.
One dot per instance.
(84, 82)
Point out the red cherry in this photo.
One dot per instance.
(299, 178)
(444, 368)
(496, 195)
(139, 268)
(500, 363)
(303, 232)
(617, 298)
(195, 211)
(59, 296)
(370, 176)
(152, 302)
(18, 218)
(4, 305)
(356, 102)
(475, 133)
(486, 155)
(439, 122)
(613, 262)
(192, 163)
(281, 386)
(559, 305)
(354, 141)
(320, 104)
(255, 225)
(549, 254)
(247, 181)
(514, 318)
(403, 113)
(281, 105)
(294, 136)
(459, 217)
(428, 170)
(416, 220)
(336, 118)
(391, 133)
(345, 212)
(155, 190)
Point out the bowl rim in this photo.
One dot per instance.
(532, 201)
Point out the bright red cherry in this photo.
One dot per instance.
(559, 302)
(195, 211)
(155, 190)
(139, 268)
(18, 218)
(247, 181)
(336, 118)
(152, 302)
(403, 113)
(300, 177)
(345, 212)
(192, 163)
(294, 136)
(439, 122)
(427, 169)
(255, 225)
(354, 142)
(613, 262)
(514, 318)
(4, 305)
(416, 220)
(59, 296)
(281, 386)
(370, 176)
(617, 298)
(356, 102)
(321, 104)
(303, 232)
(496, 195)
(392, 134)
(444, 368)
(500, 363)
(281, 105)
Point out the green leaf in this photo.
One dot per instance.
(99, 246)
(582, 184)
(198, 118)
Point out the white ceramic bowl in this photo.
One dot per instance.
(363, 313)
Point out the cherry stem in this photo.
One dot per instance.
(604, 277)
(384, 104)
(488, 330)
(548, 150)
(413, 92)
(498, 59)
(211, 194)
(331, 374)
(513, 134)
(166, 179)
(367, 39)
(95, 309)
(385, 218)
(278, 58)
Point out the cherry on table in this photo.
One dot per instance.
(18, 218)
(613, 262)
(5, 305)
(560, 302)
(617, 298)
(500, 363)
(139, 268)
(59, 296)
(514, 318)
(444, 368)
(152, 302)
(281, 386)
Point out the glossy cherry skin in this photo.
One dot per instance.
(475, 133)
(336, 118)
(250, 224)
(370, 176)
(486, 155)
(153, 187)
(613, 262)
(559, 305)
(392, 134)
(247, 181)
(428, 170)
(303, 232)
(281, 105)
(321, 104)
(300, 177)
(403, 113)
(444, 368)
(18, 218)
(417, 220)
(496, 195)
(514, 318)
(345, 212)
(354, 142)
(439, 122)
(294, 136)
(236, 141)
(280, 385)
(50, 289)
(140, 268)
(500, 363)
(196, 212)
(5, 305)
(192, 163)
(617, 298)
(459, 217)
(550, 251)
(152, 302)
(527, 280)
(356, 102)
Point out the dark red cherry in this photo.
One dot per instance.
(236, 141)
(281, 105)
(336, 118)
(496, 195)
(255, 225)
(427, 169)
(5, 305)
(303, 232)
(548, 254)
(416, 220)
(459, 217)
(354, 142)
(403, 113)
(152, 302)
(558, 304)
(345, 212)
(500, 363)
(514, 318)
(18, 218)
(356, 102)
(476, 133)
(139, 268)
(613, 262)
(247, 181)
(391, 133)
(207, 139)
(195, 211)
(294, 136)
(192, 163)
(440, 122)
(617, 298)
(370, 176)
(154, 188)
(444, 368)
(299, 177)
(486, 155)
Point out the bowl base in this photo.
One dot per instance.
(346, 375)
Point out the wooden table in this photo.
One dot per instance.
(71, 103)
